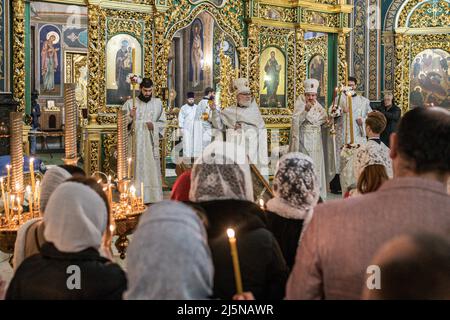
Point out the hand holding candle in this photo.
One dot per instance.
(30, 199)
(234, 256)
(32, 174)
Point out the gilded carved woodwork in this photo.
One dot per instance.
(299, 61)
(430, 14)
(253, 45)
(342, 72)
(19, 53)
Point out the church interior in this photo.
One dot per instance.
(65, 71)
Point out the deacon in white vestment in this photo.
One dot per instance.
(360, 110)
(205, 110)
(190, 124)
(306, 131)
(150, 121)
(244, 126)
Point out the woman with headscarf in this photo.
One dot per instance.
(180, 189)
(296, 191)
(169, 257)
(30, 236)
(69, 265)
(221, 184)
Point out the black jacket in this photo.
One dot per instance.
(287, 232)
(262, 265)
(393, 117)
(46, 276)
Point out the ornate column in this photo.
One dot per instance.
(19, 53)
(253, 45)
(389, 59)
(161, 54)
(94, 29)
(398, 73)
(342, 58)
(299, 61)
(243, 62)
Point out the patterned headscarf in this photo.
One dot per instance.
(295, 187)
(372, 153)
(222, 172)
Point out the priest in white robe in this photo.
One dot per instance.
(190, 124)
(149, 122)
(360, 110)
(205, 110)
(306, 130)
(244, 125)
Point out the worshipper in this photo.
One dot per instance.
(69, 265)
(190, 124)
(35, 125)
(244, 125)
(296, 191)
(392, 114)
(30, 236)
(412, 267)
(221, 183)
(306, 132)
(206, 112)
(180, 189)
(343, 235)
(360, 109)
(150, 120)
(169, 257)
(371, 162)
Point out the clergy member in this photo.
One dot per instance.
(360, 110)
(190, 123)
(244, 125)
(205, 110)
(150, 120)
(306, 134)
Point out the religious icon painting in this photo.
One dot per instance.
(316, 70)
(429, 79)
(272, 77)
(50, 60)
(119, 64)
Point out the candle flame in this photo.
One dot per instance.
(99, 181)
(31, 160)
(28, 188)
(133, 189)
(8, 167)
(112, 227)
(230, 233)
(261, 203)
(129, 159)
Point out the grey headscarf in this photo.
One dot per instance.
(222, 172)
(53, 177)
(295, 187)
(169, 257)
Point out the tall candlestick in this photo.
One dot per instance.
(262, 204)
(32, 174)
(133, 196)
(133, 60)
(38, 191)
(13, 199)
(30, 199)
(235, 258)
(5, 202)
(8, 182)
(350, 112)
(109, 193)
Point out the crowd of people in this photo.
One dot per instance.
(389, 239)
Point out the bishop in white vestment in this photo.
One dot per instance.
(306, 131)
(190, 123)
(150, 121)
(244, 126)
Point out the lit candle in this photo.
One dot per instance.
(133, 195)
(30, 199)
(32, 174)
(109, 192)
(129, 168)
(38, 195)
(13, 199)
(261, 204)
(235, 258)
(350, 112)
(142, 193)
(133, 60)
(8, 182)
(5, 202)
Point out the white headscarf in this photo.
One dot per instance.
(295, 187)
(53, 177)
(372, 153)
(169, 257)
(222, 172)
(75, 218)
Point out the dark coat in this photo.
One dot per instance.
(45, 276)
(393, 117)
(287, 232)
(262, 265)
